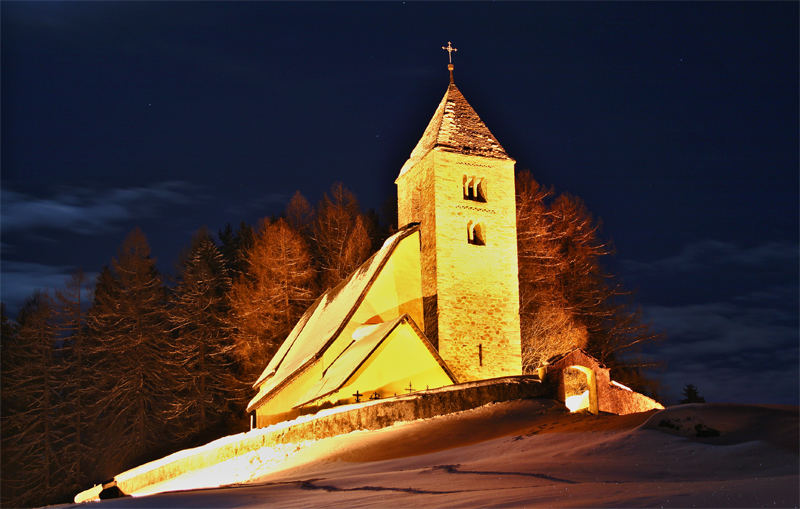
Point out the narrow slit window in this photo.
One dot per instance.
(480, 354)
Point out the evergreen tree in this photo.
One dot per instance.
(266, 305)
(690, 395)
(207, 390)
(32, 427)
(299, 213)
(234, 246)
(77, 393)
(133, 367)
(340, 236)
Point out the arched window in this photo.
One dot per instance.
(476, 234)
(474, 188)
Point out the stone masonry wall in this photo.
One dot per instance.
(360, 416)
(470, 293)
(478, 286)
(416, 204)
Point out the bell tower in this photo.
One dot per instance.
(458, 184)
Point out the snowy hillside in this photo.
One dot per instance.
(520, 453)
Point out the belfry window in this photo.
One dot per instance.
(476, 234)
(474, 188)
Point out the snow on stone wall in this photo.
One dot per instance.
(369, 415)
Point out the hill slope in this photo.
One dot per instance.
(522, 453)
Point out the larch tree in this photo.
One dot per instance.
(208, 391)
(71, 301)
(340, 236)
(32, 419)
(133, 367)
(567, 300)
(266, 303)
(299, 213)
(547, 325)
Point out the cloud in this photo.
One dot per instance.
(88, 212)
(263, 204)
(729, 316)
(21, 279)
(713, 253)
(734, 351)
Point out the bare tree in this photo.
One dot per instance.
(567, 299)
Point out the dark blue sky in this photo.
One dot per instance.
(677, 123)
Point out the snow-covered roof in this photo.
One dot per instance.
(456, 127)
(324, 320)
(348, 362)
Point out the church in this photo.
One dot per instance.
(437, 305)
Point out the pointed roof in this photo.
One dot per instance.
(456, 127)
(358, 352)
(324, 321)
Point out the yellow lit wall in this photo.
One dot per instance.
(394, 291)
(401, 359)
(473, 290)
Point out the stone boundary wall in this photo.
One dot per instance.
(368, 415)
(626, 401)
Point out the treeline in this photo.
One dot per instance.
(95, 384)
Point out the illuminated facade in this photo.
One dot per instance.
(459, 185)
(436, 305)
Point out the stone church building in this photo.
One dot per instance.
(437, 305)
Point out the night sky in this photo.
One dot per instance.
(677, 123)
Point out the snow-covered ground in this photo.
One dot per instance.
(519, 453)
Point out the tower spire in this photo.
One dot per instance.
(450, 49)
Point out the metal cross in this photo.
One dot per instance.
(358, 396)
(410, 387)
(449, 49)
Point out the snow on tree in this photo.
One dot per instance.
(268, 300)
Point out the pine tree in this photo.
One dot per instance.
(340, 236)
(266, 304)
(207, 390)
(132, 365)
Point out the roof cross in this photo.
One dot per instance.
(449, 49)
